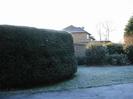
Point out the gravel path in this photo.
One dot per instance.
(123, 91)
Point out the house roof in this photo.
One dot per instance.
(73, 29)
(92, 37)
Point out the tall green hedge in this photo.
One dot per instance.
(107, 54)
(95, 55)
(31, 56)
(114, 48)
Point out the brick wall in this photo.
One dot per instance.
(80, 50)
(80, 37)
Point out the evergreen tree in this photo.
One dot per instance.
(128, 35)
(129, 27)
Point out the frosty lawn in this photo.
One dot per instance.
(92, 77)
(96, 76)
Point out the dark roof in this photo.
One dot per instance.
(92, 37)
(73, 29)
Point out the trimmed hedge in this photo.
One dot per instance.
(31, 56)
(107, 54)
(95, 55)
(114, 48)
(81, 60)
(117, 59)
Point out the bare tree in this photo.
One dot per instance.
(104, 29)
(99, 30)
(107, 28)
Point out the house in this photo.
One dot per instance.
(80, 38)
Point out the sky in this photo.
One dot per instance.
(58, 14)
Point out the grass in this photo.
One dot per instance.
(91, 77)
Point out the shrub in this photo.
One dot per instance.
(129, 52)
(30, 56)
(108, 54)
(117, 59)
(95, 55)
(114, 48)
(81, 60)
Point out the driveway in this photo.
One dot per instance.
(88, 83)
(122, 91)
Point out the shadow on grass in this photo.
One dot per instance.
(37, 85)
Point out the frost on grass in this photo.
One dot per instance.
(95, 76)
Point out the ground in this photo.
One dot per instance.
(123, 91)
(81, 85)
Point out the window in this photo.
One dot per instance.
(88, 36)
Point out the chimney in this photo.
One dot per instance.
(82, 27)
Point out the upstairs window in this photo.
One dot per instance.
(87, 36)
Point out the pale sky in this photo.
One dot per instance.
(58, 14)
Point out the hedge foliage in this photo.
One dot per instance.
(31, 56)
(114, 48)
(81, 60)
(95, 55)
(107, 54)
(117, 59)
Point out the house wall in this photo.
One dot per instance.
(80, 50)
(80, 37)
(80, 42)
